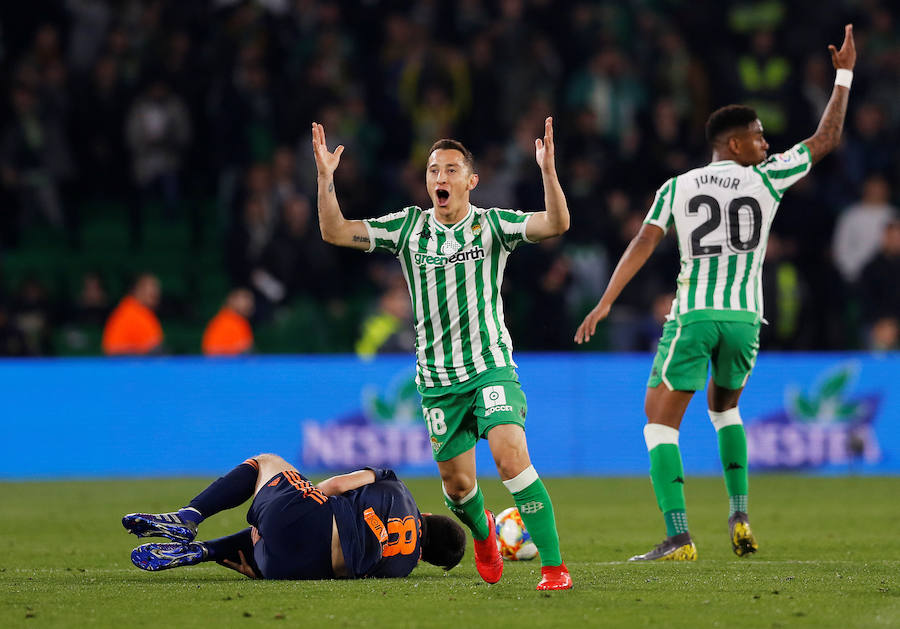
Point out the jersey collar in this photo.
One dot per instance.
(449, 228)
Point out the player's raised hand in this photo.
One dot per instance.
(845, 57)
(326, 161)
(543, 149)
(589, 326)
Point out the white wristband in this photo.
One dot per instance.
(843, 77)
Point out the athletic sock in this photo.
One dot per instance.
(536, 509)
(226, 492)
(733, 454)
(667, 475)
(676, 522)
(227, 547)
(470, 511)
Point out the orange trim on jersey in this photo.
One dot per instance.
(252, 463)
(375, 524)
(304, 486)
(275, 481)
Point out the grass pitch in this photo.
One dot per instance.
(829, 557)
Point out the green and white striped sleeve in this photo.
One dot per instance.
(512, 226)
(785, 169)
(660, 213)
(385, 231)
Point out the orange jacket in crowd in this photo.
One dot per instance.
(227, 334)
(132, 328)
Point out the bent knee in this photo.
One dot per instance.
(267, 458)
(511, 459)
(511, 465)
(270, 465)
(458, 486)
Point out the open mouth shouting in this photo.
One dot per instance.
(442, 197)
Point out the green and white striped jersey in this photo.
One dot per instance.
(454, 274)
(722, 214)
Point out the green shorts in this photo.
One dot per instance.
(685, 352)
(459, 415)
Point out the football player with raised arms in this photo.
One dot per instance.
(453, 256)
(721, 214)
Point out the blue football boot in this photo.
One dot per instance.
(157, 556)
(169, 525)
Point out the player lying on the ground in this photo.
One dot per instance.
(362, 524)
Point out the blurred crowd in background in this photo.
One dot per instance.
(138, 133)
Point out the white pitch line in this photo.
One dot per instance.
(885, 562)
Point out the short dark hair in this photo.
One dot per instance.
(443, 541)
(455, 145)
(726, 119)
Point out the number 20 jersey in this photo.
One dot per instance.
(722, 214)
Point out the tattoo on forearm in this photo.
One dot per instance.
(364, 239)
(331, 187)
(828, 134)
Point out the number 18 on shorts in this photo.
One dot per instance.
(457, 420)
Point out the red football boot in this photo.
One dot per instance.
(487, 556)
(555, 578)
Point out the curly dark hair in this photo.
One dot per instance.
(726, 119)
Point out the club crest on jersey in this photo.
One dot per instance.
(450, 247)
(476, 229)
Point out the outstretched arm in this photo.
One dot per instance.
(554, 220)
(632, 260)
(335, 228)
(828, 134)
(346, 482)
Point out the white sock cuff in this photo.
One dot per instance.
(462, 500)
(731, 417)
(522, 480)
(657, 434)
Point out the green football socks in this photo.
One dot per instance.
(536, 509)
(470, 511)
(733, 454)
(667, 475)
